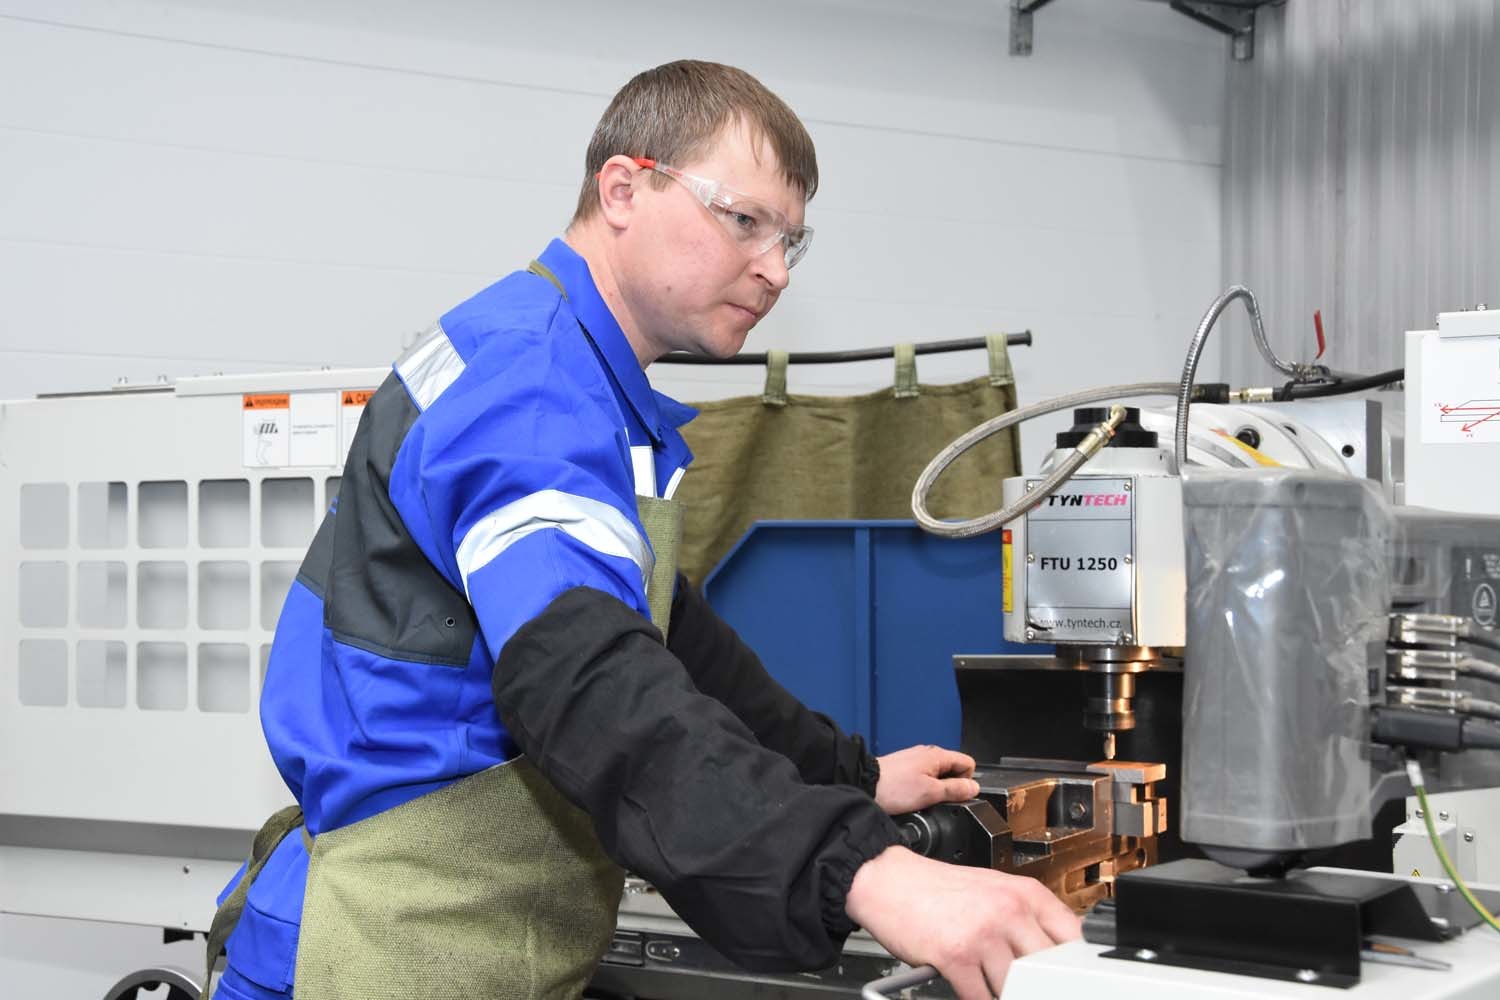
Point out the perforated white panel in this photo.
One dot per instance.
(144, 566)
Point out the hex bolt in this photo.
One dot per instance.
(1443, 816)
(1030, 634)
(1031, 557)
(1129, 486)
(1468, 836)
(1077, 810)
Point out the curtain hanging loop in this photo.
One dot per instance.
(906, 371)
(1000, 370)
(775, 390)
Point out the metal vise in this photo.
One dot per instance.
(1071, 825)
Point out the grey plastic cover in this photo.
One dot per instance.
(1288, 594)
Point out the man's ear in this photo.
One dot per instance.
(616, 191)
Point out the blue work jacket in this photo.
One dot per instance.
(496, 468)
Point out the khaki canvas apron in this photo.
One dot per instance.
(493, 887)
(781, 455)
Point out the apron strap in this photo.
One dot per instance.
(271, 834)
(541, 270)
(662, 520)
(1000, 371)
(906, 371)
(775, 391)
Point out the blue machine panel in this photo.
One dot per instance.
(860, 619)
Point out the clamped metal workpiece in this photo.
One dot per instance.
(1071, 825)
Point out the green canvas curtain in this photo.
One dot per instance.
(782, 456)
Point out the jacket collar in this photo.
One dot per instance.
(599, 323)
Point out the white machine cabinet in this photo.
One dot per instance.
(148, 539)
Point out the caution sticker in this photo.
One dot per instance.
(1007, 590)
(351, 411)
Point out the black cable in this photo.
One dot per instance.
(1482, 669)
(1432, 730)
(1316, 390)
(1022, 339)
(1414, 727)
(1481, 735)
(1483, 639)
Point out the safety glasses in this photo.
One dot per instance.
(755, 226)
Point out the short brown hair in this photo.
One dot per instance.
(674, 112)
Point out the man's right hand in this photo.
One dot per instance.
(970, 923)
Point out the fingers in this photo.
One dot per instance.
(952, 764)
(1060, 923)
(957, 789)
(1026, 936)
(1053, 916)
(996, 968)
(983, 981)
(968, 981)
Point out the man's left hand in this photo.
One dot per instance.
(918, 777)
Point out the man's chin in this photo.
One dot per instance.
(721, 345)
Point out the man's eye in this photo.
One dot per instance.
(743, 221)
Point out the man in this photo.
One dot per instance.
(467, 694)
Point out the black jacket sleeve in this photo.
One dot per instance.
(723, 667)
(757, 861)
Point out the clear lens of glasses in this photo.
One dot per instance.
(758, 227)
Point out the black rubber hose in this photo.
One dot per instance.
(1483, 639)
(1426, 730)
(1302, 390)
(1481, 735)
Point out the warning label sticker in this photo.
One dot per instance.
(352, 409)
(290, 430)
(267, 428)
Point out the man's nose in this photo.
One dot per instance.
(771, 267)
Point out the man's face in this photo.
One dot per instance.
(688, 284)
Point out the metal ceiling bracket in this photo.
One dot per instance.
(1235, 18)
(1020, 24)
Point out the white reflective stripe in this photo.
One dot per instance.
(430, 366)
(594, 523)
(673, 483)
(645, 470)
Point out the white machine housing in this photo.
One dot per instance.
(1137, 600)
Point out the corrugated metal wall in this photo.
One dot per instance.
(1361, 175)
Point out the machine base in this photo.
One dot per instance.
(1310, 927)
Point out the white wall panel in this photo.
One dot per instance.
(1361, 174)
(155, 198)
(362, 166)
(73, 299)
